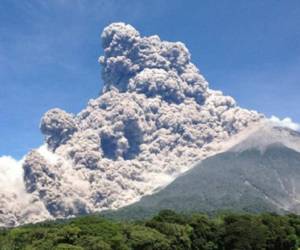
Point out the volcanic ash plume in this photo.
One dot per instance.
(156, 117)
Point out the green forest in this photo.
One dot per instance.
(165, 231)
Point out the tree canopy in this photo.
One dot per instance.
(165, 231)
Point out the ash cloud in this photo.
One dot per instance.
(17, 206)
(155, 118)
(11, 177)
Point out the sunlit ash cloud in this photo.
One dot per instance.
(155, 109)
(11, 173)
(285, 122)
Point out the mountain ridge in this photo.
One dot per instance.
(260, 177)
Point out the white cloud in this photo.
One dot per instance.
(11, 174)
(17, 206)
(286, 122)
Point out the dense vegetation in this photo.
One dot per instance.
(167, 230)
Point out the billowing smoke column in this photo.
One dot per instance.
(155, 118)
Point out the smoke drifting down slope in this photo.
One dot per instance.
(155, 119)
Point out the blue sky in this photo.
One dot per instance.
(49, 51)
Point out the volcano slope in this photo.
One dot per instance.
(260, 173)
(155, 118)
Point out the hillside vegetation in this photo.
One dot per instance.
(167, 230)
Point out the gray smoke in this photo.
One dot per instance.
(154, 120)
(57, 126)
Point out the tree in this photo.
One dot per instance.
(281, 235)
(243, 232)
(143, 238)
(68, 247)
(205, 233)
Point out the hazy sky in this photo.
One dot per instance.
(49, 52)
